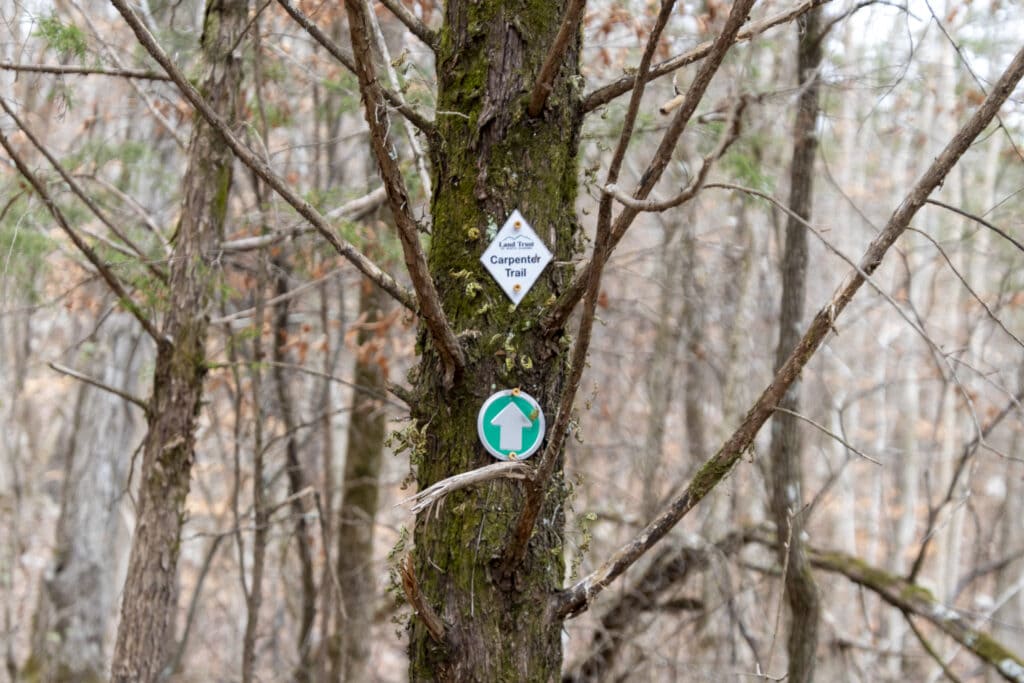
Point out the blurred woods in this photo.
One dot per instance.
(216, 404)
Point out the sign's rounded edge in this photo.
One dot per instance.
(542, 424)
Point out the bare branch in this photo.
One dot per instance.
(979, 220)
(411, 588)
(398, 198)
(154, 111)
(966, 453)
(287, 296)
(930, 649)
(565, 304)
(607, 93)
(348, 61)
(246, 156)
(80, 193)
(977, 297)
(436, 492)
(577, 598)
(548, 71)
(412, 22)
(70, 70)
(108, 276)
(730, 134)
(825, 430)
(64, 370)
(351, 210)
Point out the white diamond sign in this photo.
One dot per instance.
(516, 257)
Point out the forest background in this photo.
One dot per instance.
(897, 480)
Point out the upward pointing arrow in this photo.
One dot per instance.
(511, 422)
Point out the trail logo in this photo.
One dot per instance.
(516, 257)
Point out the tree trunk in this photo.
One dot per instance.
(70, 629)
(489, 158)
(787, 475)
(366, 433)
(150, 598)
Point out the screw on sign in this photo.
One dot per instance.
(511, 425)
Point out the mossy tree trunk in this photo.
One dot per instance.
(150, 595)
(491, 157)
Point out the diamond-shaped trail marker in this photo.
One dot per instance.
(516, 257)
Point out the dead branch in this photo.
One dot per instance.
(980, 221)
(438, 491)
(913, 599)
(258, 166)
(411, 588)
(548, 71)
(448, 346)
(70, 70)
(64, 370)
(578, 597)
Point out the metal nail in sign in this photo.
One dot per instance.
(511, 425)
(516, 257)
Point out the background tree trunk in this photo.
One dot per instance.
(489, 159)
(70, 639)
(367, 429)
(150, 595)
(787, 475)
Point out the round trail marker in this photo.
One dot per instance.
(511, 425)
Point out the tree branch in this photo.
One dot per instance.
(412, 22)
(577, 598)
(377, 118)
(247, 157)
(411, 588)
(436, 492)
(730, 134)
(83, 71)
(979, 220)
(108, 276)
(64, 370)
(348, 61)
(607, 93)
(80, 193)
(351, 210)
(911, 598)
(565, 304)
(548, 71)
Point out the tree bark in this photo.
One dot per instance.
(150, 595)
(787, 475)
(489, 159)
